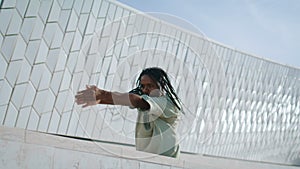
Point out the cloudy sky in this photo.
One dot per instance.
(264, 28)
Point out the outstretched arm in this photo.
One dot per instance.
(93, 95)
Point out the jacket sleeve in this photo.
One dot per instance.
(161, 106)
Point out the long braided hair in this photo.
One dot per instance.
(158, 75)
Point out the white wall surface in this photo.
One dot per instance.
(20, 149)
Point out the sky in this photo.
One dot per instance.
(265, 28)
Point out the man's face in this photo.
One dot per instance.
(149, 86)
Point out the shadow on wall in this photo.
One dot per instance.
(296, 162)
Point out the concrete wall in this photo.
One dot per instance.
(21, 148)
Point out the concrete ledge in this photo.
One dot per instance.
(30, 149)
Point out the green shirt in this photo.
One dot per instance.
(156, 127)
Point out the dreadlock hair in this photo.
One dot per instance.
(159, 75)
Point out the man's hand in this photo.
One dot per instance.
(93, 95)
(88, 97)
